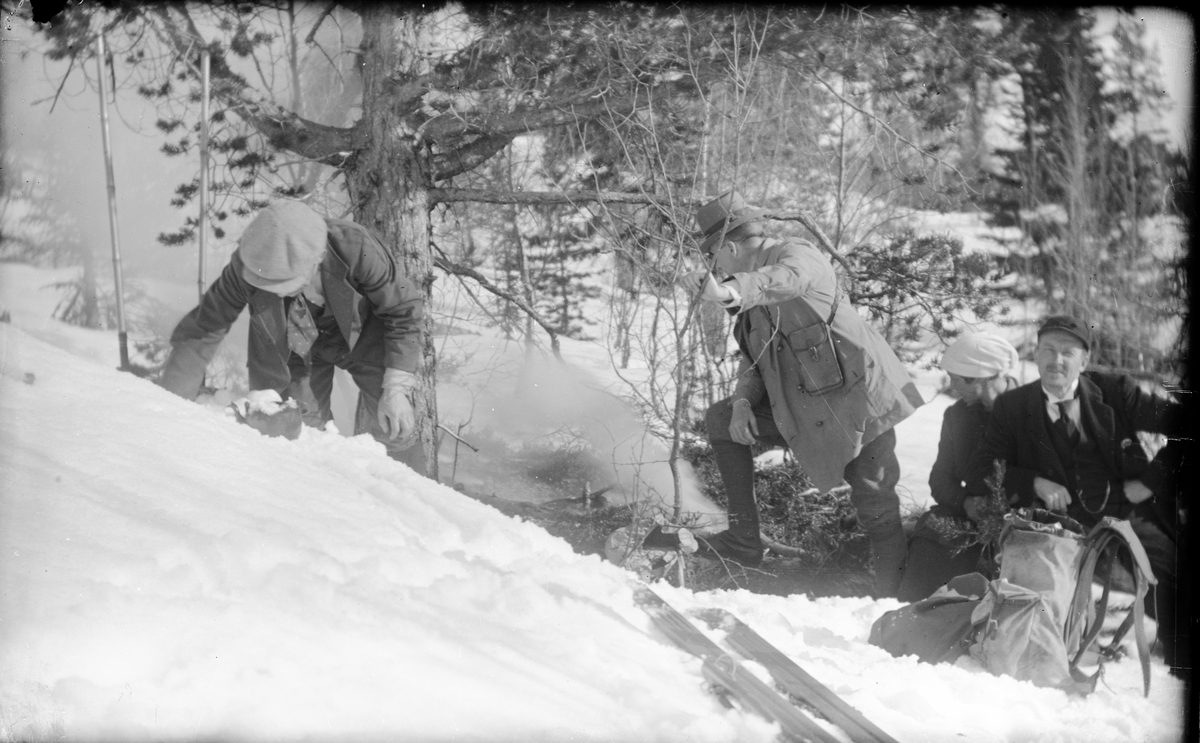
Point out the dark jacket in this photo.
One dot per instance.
(1112, 407)
(786, 289)
(376, 310)
(962, 432)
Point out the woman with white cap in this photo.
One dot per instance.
(978, 365)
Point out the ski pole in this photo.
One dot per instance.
(118, 284)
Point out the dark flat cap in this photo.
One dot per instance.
(1070, 326)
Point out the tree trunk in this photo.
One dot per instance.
(389, 190)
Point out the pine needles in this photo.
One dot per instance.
(962, 534)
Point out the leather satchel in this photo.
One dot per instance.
(820, 370)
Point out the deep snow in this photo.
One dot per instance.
(169, 574)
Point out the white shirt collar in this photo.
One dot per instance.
(314, 291)
(1052, 398)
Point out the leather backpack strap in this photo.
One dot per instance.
(837, 299)
(1108, 537)
(1080, 603)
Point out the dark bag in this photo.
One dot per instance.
(938, 629)
(813, 346)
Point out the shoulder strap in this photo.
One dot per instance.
(837, 298)
(1104, 541)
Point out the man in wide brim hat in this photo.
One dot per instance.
(813, 376)
(721, 216)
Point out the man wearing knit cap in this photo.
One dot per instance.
(322, 293)
(978, 365)
(814, 377)
(1069, 443)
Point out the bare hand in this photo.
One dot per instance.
(702, 282)
(971, 505)
(1055, 496)
(743, 426)
(1137, 492)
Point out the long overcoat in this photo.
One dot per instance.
(376, 321)
(786, 288)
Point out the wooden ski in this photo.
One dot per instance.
(722, 669)
(793, 679)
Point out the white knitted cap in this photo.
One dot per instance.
(979, 355)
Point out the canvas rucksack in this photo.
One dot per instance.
(1037, 621)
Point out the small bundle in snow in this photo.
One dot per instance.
(266, 412)
(646, 549)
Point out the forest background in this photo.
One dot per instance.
(538, 167)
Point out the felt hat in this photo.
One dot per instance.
(722, 215)
(979, 355)
(1070, 326)
(282, 247)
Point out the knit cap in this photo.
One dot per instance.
(979, 355)
(282, 247)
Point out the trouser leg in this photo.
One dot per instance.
(873, 475)
(735, 462)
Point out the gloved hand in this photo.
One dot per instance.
(396, 416)
(706, 285)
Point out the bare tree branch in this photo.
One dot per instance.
(878, 120)
(460, 270)
(463, 159)
(282, 128)
(449, 195)
(328, 11)
(811, 225)
(445, 129)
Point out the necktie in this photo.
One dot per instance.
(301, 331)
(1065, 423)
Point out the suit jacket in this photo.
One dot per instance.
(787, 287)
(1112, 409)
(377, 315)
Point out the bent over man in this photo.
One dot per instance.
(322, 293)
(814, 376)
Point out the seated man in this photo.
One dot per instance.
(321, 293)
(978, 365)
(1069, 444)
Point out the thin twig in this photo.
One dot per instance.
(456, 437)
(460, 270)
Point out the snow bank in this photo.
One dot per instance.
(169, 574)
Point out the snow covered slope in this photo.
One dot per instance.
(168, 574)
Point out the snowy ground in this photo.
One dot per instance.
(169, 574)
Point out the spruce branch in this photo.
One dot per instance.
(961, 534)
